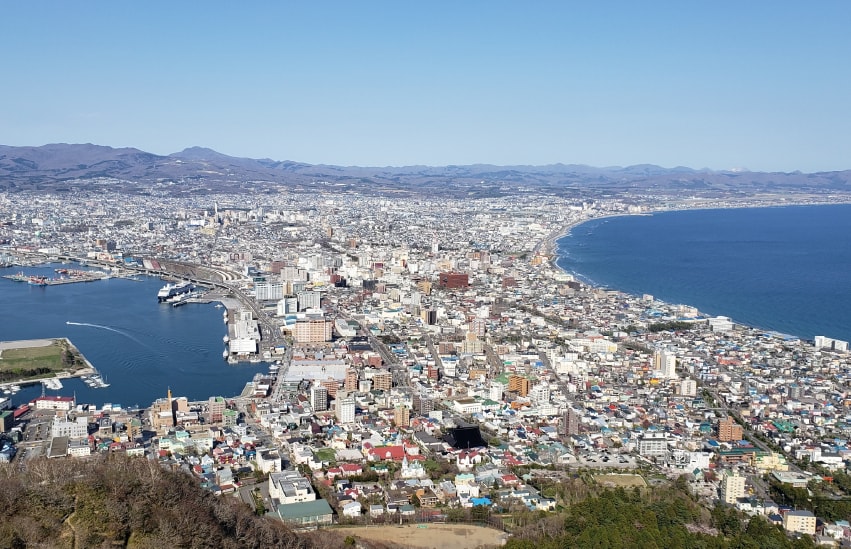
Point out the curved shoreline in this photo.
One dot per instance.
(550, 247)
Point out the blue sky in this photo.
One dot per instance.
(756, 84)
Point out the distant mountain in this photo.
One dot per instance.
(62, 166)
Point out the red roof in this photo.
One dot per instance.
(56, 398)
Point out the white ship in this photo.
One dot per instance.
(171, 290)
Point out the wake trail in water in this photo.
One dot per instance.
(100, 327)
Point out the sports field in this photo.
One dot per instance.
(428, 536)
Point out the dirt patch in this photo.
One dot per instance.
(622, 481)
(428, 536)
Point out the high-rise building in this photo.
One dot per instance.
(540, 393)
(331, 386)
(268, 290)
(312, 329)
(732, 488)
(518, 384)
(382, 381)
(423, 405)
(495, 391)
(729, 430)
(215, 408)
(453, 280)
(570, 422)
(344, 407)
(308, 300)
(401, 416)
(688, 387)
(665, 361)
(351, 381)
(319, 398)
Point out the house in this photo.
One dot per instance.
(352, 509)
(376, 510)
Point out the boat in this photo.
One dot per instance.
(219, 305)
(37, 281)
(170, 291)
(225, 339)
(225, 353)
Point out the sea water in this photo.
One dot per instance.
(786, 269)
(140, 346)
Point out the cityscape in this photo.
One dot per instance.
(444, 275)
(428, 361)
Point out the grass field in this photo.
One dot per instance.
(37, 359)
(620, 481)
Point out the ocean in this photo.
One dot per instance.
(785, 269)
(140, 346)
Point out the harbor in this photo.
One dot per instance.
(32, 356)
(63, 276)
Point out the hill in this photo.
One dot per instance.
(113, 501)
(65, 167)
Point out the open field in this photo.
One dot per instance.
(37, 359)
(427, 536)
(620, 481)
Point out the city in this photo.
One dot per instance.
(428, 361)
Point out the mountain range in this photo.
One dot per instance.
(63, 167)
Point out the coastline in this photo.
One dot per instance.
(549, 246)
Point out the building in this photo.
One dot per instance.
(688, 387)
(61, 403)
(451, 281)
(422, 405)
(290, 487)
(540, 393)
(401, 416)
(382, 381)
(312, 329)
(665, 362)
(732, 488)
(570, 422)
(216, 409)
(269, 291)
(308, 300)
(729, 430)
(306, 514)
(653, 444)
(319, 398)
(344, 407)
(518, 384)
(802, 522)
(351, 381)
(62, 427)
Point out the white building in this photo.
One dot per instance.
(268, 291)
(73, 429)
(732, 488)
(290, 487)
(344, 407)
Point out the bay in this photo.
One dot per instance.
(141, 347)
(785, 269)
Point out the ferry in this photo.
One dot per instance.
(170, 291)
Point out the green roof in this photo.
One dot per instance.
(304, 510)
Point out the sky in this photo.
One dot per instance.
(760, 85)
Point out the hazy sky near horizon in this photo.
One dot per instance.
(757, 84)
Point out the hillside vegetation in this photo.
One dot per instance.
(127, 502)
